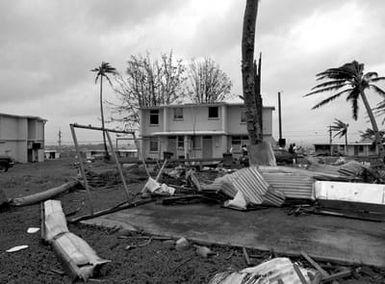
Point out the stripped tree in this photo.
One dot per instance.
(103, 71)
(148, 83)
(208, 83)
(259, 152)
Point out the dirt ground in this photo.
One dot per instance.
(155, 261)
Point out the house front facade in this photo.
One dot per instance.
(197, 131)
(22, 137)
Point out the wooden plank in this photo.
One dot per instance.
(315, 264)
(338, 275)
(299, 273)
(246, 255)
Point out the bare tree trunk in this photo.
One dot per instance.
(260, 152)
(249, 73)
(377, 137)
(106, 155)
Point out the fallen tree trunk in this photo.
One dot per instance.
(42, 196)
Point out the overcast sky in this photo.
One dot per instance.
(47, 48)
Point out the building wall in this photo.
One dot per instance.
(145, 123)
(235, 126)
(13, 128)
(196, 118)
(17, 135)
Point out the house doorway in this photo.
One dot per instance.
(171, 145)
(207, 147)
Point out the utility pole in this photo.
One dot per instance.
(281, 142)
(330, 139)
(59, 141)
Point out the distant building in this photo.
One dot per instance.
(51, 154)
(22, 137)
(358, 149)
(197, 130)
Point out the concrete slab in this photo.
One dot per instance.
(323, 237)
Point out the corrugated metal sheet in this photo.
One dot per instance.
(271, 271)
(292, 186)
(252, 185)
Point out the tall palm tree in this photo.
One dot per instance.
(342, 130)
(104, 70)
(350, 79)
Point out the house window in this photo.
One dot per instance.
(213, 112)
(180, 141)
(154, 145)
(196, 142)
(361, 148)
(178, 113)
(372, 147)
(243, 115)
(154, 117)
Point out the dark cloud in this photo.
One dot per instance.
(48, 47)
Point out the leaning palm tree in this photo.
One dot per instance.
(342, 131)
(350, 79)
(103, 70)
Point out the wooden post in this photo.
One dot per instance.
(82, 171)
(161, 170)
(140, 152)
(118, 165)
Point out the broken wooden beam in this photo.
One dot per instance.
(246, 256)
(315, 264)
(112, 210)
(338, 275)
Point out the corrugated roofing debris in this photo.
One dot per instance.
(251, 184)
(291, 185)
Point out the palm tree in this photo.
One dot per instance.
(103, 71)
(350, 79)
(342, 130)
(370, 134)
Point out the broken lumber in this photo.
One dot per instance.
(78, 259)
(315, 264)
(42, 196)
(112, 210)
(246, 256)
(338, 275)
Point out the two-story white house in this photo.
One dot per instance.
(200, 131)
(22, 137)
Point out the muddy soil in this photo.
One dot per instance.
(135, 258)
